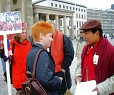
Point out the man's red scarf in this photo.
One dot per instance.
(88, 65)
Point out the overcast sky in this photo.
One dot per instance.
(99, 4)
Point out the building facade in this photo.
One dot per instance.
(105, 16)
(68, 16)
(68, 26)
(46, 13)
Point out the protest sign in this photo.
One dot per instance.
(10, 23)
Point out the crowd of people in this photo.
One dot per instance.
(96, 58)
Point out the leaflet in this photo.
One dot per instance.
(85, 88)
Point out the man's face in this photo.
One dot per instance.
(91, 38)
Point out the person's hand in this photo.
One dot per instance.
(96, 89)
(61, 78)
(63, 70)
(78, 79)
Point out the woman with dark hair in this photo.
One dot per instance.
(21, 46)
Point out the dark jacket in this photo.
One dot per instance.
(67, 61)
(68, 53)
(44, 70)
(1, 53)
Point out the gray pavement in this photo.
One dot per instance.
(3, 84)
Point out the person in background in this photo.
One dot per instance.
(97, 60)
(80, 45)
(21, 47)
(63, 53)
(31, 39)
(4, 59)
(42, 33)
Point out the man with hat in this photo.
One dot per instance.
(97, 59)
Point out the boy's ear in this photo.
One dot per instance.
(41, 36)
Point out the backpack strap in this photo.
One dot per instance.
(34, 65)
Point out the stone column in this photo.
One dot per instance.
(23, 10)
(29, 13)
(57, 22)
(72, 29)
(1, 6)
(65, 25)
(6, 5)
(47, 17)
(36, 17)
